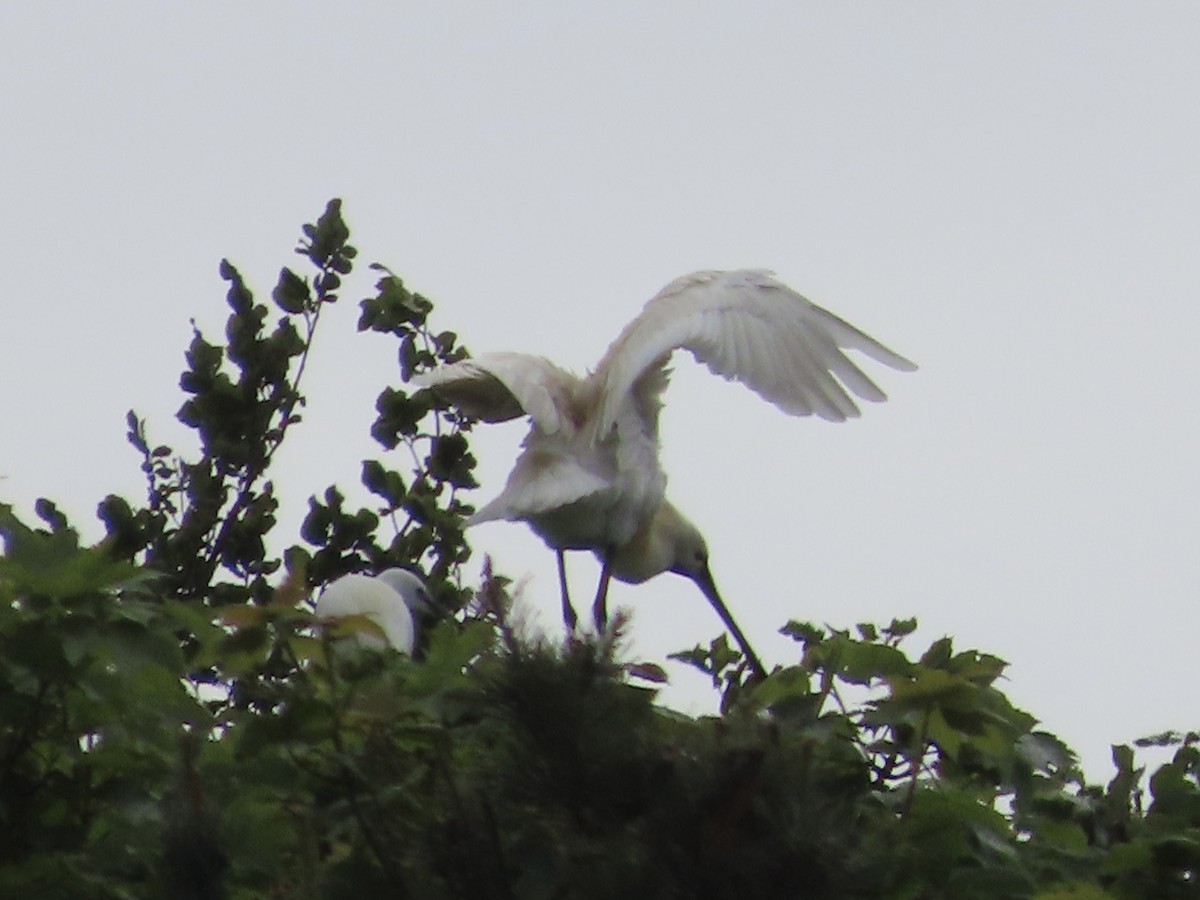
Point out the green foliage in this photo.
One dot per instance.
(174, 723)
(92, 712)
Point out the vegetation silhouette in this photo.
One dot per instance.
(174, 721)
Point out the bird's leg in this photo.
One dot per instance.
(568, 611)
(600, 607)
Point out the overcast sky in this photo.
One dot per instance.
(1007, 193)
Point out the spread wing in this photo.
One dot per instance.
(745, 326)
(496, 387)
(543, 479)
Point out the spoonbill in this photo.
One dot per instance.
(392, 600)
(589, 476)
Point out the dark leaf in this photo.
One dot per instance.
(291, 294)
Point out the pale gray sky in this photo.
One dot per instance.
(1008, 193)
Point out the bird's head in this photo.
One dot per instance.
(411, 588)
(689, 552)
(690, 555)
(425, 611)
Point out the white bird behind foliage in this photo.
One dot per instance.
(388, 599)
(589, 477)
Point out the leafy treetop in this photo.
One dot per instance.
(174, 723)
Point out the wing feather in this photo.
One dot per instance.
(497, 387)
(541, 481)
(749, 327)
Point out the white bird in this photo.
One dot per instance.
(589, 477)
(390, 600)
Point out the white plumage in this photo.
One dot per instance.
(589, 476)
(388, 599)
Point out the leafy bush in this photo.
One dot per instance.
(174, 723)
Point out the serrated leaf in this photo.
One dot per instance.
(938, 654)
(867, 631)
(803, 632)
(899, 628)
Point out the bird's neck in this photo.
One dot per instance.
(651, 551)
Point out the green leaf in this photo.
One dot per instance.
(1178, 851)
(980, 668)
(925, 687)
(1126, 859)
(867, 631)
(1174, 792)
(948, 738)
(328, 239)
(1044, 752)
(949, 824)
(1066, 837)
(244, 616)
(938, 654)
(863, 663)
(783, 688)
(383, 482)
(355, 625)
(646, 671)
(53, 564)
(50, 514)
(803, 632)
(292, 293)
(697, 658)
(1168, 739)
(900, 628)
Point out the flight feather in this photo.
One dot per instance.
(746, 326)
(497, 387)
